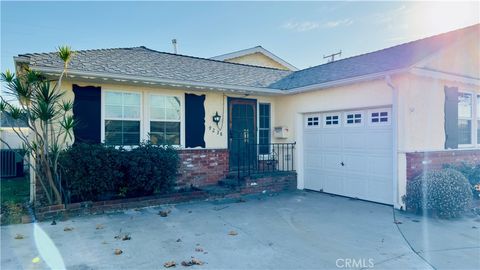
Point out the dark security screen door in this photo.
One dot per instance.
(242, 130)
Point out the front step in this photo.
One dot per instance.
(229, 183)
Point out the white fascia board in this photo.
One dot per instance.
(161, 82)
(253, 50)
(336, 83)
(436, 74)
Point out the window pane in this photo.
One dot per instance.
(157, 113)
(113, 111)
(172, 114)
(113, 98)
(165, 132)
(131, 99)
(478, 132)
(172, 102)
(478, 107)
(131, 112)
(157, 101)
(465, 105)
(118, 132)
(464, 131)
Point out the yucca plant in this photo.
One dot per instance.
(41, 105)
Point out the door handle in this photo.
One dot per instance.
(341, 163)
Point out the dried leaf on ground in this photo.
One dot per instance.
(19, 236)
(192, 262)
(232, 233)
(68, 229)
(179, 240)
(199, 249)
(99, 227)
(397, 222)
(170, 264)
(36, 260)
(126, 237)
(164, 213)
(118, 251)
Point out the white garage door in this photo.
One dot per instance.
(349, 153)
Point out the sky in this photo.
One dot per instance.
(299, 32)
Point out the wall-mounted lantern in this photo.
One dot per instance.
(216, 118)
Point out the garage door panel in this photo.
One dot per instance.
(366, 152)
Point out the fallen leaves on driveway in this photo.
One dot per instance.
(68, 229)
(170, 264)
(199, 249)
(118, 251)
(164, 213)
(99, 227)
(192, 262)
(233, 233)
(19, 236)
(36, 260)
(397, 222)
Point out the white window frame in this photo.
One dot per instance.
(149, 119)
(473, 119)
(362, 119)
(103, 107)
(324, 120)
(379, 111)
(319, 121)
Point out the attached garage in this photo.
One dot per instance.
(349, 153)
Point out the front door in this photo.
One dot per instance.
(242, 130)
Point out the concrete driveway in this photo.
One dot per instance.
(300, 230)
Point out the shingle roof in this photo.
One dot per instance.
(393, 58)
(144, 62)
(141, 61)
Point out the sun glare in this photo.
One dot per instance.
(427, 18)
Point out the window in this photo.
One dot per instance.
(164, 120)
(478, 119)
(465, 118)
(353, 118)
(379, 116)
(332, 120)
(264, 128)
(312, 121)
(122, 118)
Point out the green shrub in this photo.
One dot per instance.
(471, 172)
(90, 171)
(99, 172)
(150, 169)
(446, 193)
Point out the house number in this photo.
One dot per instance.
(215, 131)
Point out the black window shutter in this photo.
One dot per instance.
(87, 114)
(451, 117)
(194, 120)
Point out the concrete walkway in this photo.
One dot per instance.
(300, 230)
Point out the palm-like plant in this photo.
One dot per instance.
(43, 108)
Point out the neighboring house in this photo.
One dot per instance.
(363, 125)
(8, 126)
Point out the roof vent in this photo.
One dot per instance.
(332, 56)
(174, 43)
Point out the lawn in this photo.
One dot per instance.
(15, 190)
(15, 193)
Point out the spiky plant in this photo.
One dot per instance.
(43, 108)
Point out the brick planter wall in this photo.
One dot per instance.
(202, 167)
(271, 183)
(417, 161)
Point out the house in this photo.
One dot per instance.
(362, 126)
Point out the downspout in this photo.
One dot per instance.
(388, 81)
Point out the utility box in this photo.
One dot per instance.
(280, 132)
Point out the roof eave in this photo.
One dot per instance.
(119, 78)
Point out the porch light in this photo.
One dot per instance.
(216, 118)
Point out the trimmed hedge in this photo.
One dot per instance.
(472, 172)
(94, 172)
(446, 193)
